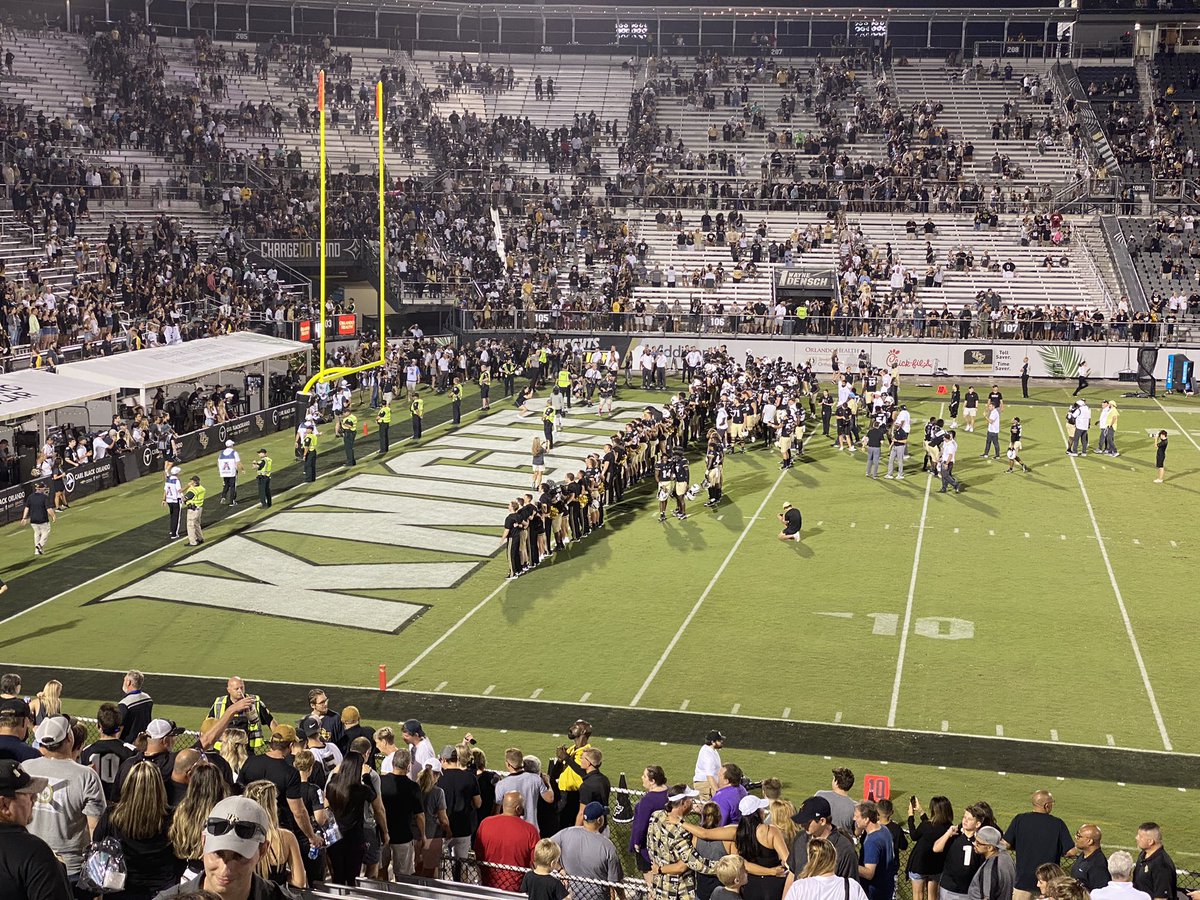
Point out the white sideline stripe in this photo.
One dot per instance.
(1112, 578)
(912, 590)
(704, 596)
(249, 506)
(449, 631)
(1175, 421)
(698, 714)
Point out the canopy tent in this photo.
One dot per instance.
(160, 366)
(25, 394)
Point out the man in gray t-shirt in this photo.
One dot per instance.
(997, 876)
(586, 853)
(840, 802)
(524, 778)
(68, 810)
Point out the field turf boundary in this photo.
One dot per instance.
(998, 754)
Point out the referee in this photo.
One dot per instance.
(263, 466)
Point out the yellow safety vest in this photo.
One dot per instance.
(564, 378)
(265, 469)
(384, 416)
(349, 423)
(548, 414)
(197, 492)
(253, 729)
(417, 407)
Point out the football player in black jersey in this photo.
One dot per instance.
(1014, 447)
(664, 474)
(682, 473)
(714, 460)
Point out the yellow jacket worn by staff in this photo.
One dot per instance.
(265, 466)
(384, 416)
(417, 407)
(548, 414)
(253, 728)
(349, 423)
(564, 378)
(569, 779)
(310, 441)
(194, 496)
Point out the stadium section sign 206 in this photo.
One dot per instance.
(450, 497)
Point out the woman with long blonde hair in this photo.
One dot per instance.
(283, 864)
(139, 823)
(781, 812)
(818, 881)
(235, 749)
(206, 788)
(47, 703)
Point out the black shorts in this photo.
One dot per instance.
(790, 530)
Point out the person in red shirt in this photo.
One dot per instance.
(505, 840)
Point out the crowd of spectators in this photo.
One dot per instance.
(331, 798)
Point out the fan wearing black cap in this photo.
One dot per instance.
(423, 754)
(815, 818)
(708, 765)
(235, 839)
(28, 867)
(15, 721)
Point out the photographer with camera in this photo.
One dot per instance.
(251, 720)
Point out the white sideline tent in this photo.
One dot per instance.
(36, 392)
(160, 366)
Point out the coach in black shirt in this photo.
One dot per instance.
(1154, 871)
(29, 869)
(1091, 865)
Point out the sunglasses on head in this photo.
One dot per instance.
(244, 830)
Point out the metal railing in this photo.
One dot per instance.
(712, 323)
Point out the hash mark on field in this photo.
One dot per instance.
(787, 711)
(487, 690)
(945, 725)
(1173, 544)
(584, 698)
(999, 731)
(440, 686)
(721, 518)
(887, 526)
(736, 707)
(1111, 741)
(1027, 534)
(535, 694)
(822, 522)
(853, 524)
(991, 533)
(683, 705)
(1054, 734)
(1062, 537)
(1136, 542)
(837, 716)
(955, 530)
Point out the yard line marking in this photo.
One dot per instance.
(956, 531)
(1111, 741)
(837, 717)
(1173, 544)
(852, 524)
(1062, 537)
(822, 522)
(908, 606)
(535, 694)
(1054, 734)
(1112, 578)
(488, 690)
(836, 615)
(683, 705)
(1175, 421)
(704, 596)
(440, 686)
(449, 631)
(1027, 534)
(736, 707)
(787, 711)
(584, 698)
(886, 527)
(991, 533)
(999, 731)
(945, 725)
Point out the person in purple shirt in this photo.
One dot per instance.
(730, 793)
(654, 780)
(15, 722)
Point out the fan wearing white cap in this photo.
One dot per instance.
(69, 809)
(173, 501)
(235, 839)
(160, 738)
(229, 466)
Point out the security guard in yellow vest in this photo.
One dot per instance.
(548, 417)
(251, 721)
(309, 446)
(347, 428)
(456, 395)
(417, 408)
(383, 419)
(193, 501)
(564, 385)
(263, 466)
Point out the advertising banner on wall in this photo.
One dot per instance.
(960, 359)
(80, 482)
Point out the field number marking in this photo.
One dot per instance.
(938, 627)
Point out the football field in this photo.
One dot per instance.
(1052, 606)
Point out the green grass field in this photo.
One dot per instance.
(1048, 606)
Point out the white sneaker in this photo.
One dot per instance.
(889, 477)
